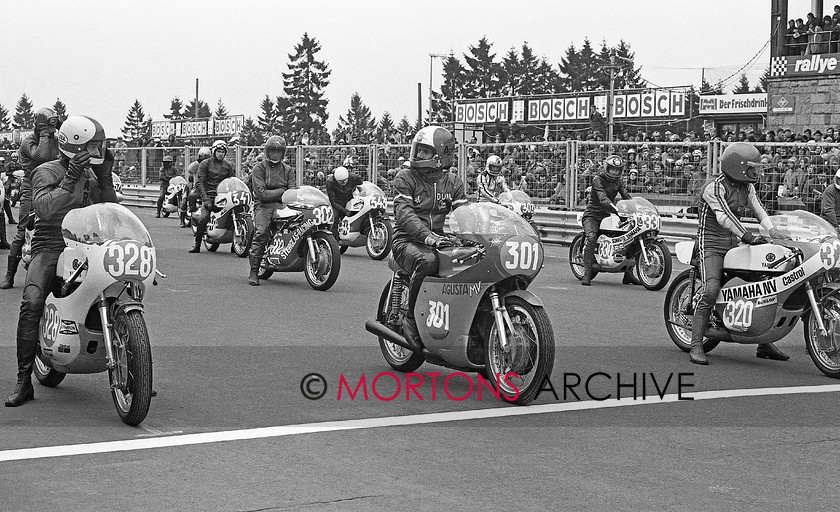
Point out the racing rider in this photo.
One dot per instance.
(719, 230)
(424, 193)
(167, 172)
(81, 176)
(269, 179)
(491, 183)
(211, 172)
(340, 188)
(191, 195)
(831, 202)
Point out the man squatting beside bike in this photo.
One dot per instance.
(340, 188)
(719, 230)
(167, 172)
(80, 177)
(425, 193)
(211, 172)
(269, 179)
(37, 148)
(599, 205)
(191, 194)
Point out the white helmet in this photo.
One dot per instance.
(494, 165)
(341, 175)
(78, 133)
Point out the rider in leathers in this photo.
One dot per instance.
(38, 148)
(600, 204)
(269, 179)
(340, 188)
(80, 177)
(211, 172)
(719, 230)
(10, 168)
(425, 193)
(167, 172)
(191, 194)
(491, 182)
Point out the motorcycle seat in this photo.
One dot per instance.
(284, 213)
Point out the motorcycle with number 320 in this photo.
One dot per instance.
(629, 239)
(766, 289)
(300, 239)
(477, 313)
(93, 318)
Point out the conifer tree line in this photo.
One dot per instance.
(299, 108)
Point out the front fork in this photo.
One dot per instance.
(312, 257)
(644, 251)
(115, 370)
(815, 310)
(503, 322)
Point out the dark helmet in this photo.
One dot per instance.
(47, 117)
(275, 149)
(740, 162)
(442, 144)
(613, 167)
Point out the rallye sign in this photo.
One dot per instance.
(804, 65)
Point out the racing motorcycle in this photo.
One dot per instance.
(232, 223)
(174, 195)
(476, 314)
(628, 240)
(520, 202)
(93, 318)
(368, 223)
(766, 289)
(14, 186)
(300, 239)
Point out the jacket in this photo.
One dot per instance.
(721, 202)
(340, 194)
(210, 174)
(269, 181)
(602, 195)
(830, 205)
(420, 206)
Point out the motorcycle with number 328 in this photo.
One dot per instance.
(477, 313)
(93, 318)
(766, 289)
(629, 239)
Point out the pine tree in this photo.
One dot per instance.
(221, 111)
(267, 119)
(24, 117)
(176, 109)
(5, 124)
(579, 69)
(358, 121)
(454, 85)
(545, 79)
(283, 114)
(743, 85)
(385, 128)
(510, 65)
(203, 109)
(304, 86)
(483, 75)
(60, 109)
(251, 133)
(628, 76)
(602, 75)
(133, 128)
(405, 130)
(762, 82)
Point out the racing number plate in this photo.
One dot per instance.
(128, 259)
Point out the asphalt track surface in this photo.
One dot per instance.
(229, 358)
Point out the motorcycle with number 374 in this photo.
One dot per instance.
(93, 318)
(766, 289)
(477, 313)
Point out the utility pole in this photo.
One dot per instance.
(195, 114)
(612, 67)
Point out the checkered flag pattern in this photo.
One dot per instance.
(778, 66)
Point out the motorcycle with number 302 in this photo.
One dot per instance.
(766, 289)
(93, 318)
(232, 223)
(368, 225)
(476, 314)
(628, 240)
(300, 239)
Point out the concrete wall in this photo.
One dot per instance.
(817, 103)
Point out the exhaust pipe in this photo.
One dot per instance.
(377, 328)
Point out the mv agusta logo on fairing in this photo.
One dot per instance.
(461, 288)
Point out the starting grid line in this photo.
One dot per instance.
(389, 421)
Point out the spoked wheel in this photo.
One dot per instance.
(397, 357)
(211, 247)
(323, 272)
(679, 309)
(379, 239)
(531, 355)
(825, 350)
(242, 243)
(576, 257)
(655, 274)
(46, 374)
(133, 354)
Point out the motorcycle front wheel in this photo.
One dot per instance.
(679, 307)
(322, 273)
(655, 274)
(47, 376)
(242, 243)
(379, 239)
(397, 357)
(825, 352)
(134, 355)
(576, 257)
(531, 355)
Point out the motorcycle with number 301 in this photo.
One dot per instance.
(300, 239)
(476, 314)
(93, 318)
(766, 289)
(628, 240)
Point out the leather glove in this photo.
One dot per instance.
(103, 170)
(76, 168)
(751, 239)
(437, 241)
(776, 233)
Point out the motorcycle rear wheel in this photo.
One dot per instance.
(676, 301)
(826, 359)
(46, 375)
(211, 247)
(133, 402)
(241, 246)
(264, 273)
(322, 274)
(535, 348)
(576, 258)
(379, 247)
(657, 274)
(399, 358)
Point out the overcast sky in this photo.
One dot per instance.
(99, 56)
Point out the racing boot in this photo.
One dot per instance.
(588, 260)
(697, 355)
(629, 278)
(4, 242)
(183, 216)
(770, 351)
(410, 333)
(9, 280)
(254, 277)
(23, 391)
